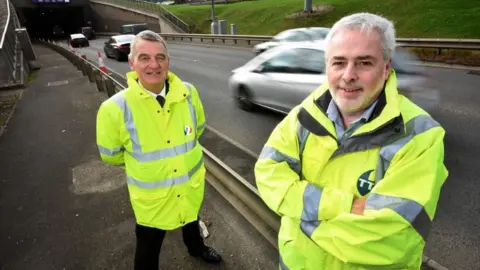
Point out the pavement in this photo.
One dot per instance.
(451, 96)
(62, 208)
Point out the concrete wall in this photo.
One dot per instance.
(109, 18)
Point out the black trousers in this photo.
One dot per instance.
(149, 243)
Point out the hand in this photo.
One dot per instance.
(358, 206)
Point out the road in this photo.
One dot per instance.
(454, 241)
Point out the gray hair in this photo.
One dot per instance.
(366, 22)
(146, 35)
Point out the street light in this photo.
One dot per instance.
(213, 10)
(213, 25)
(308, 6)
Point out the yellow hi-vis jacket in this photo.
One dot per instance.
(159, 149)
(395, 160)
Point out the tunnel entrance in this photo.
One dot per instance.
(54, 22)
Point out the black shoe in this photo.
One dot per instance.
(209, 255)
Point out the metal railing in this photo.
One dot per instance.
(151, 7)
(250, 40)
(13, 65)
(468, 44)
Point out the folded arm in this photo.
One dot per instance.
(279, 182)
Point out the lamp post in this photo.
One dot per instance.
(308, 6)
(213, 10)
(213, 25)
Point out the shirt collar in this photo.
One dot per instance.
(334, 114)
(162, 93)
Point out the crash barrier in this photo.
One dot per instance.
(13, 66)
(251, 40)
(233, 187)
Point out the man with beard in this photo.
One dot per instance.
(354, 171)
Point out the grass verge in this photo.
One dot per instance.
(412, 18)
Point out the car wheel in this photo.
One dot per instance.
(244, 99)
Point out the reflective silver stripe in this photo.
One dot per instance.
(282, 265)
(121, 101)
(109, 151)
(302, 134)
(415, 126)
(191, 108)
(273, 154)
(137, 152)
(311, 202)
(169, 182)
(165, 152)
(410, 210)
(308, 227)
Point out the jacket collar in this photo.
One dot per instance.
(176, 91)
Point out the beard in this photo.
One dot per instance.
(352, 98)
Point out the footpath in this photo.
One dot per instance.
(62, 208)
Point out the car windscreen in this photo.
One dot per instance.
(291, 36)
(319, 33)
(124, 39)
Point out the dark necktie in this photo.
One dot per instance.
(161, 100)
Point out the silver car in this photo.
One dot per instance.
(292, 35)
(281, 78)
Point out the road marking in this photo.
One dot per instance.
(57, 83)
(194, 60)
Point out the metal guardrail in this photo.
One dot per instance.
(249, 40)
(13, 66)
(469, 44)
(151, 7)
(234, 188)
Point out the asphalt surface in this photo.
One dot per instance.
(62, 208)
(451, 96)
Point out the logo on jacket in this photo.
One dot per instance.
(187, 130)
(365, 185)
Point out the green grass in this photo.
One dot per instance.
(412, 18)
(32, 77)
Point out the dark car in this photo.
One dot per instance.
(58, 32)
(118, 46)
(88, 32)
(78, 40)
(133, 28)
